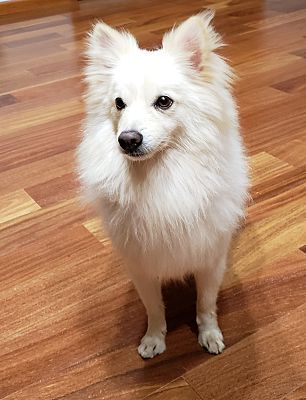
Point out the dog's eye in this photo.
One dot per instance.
(163, 102)
(120, 104)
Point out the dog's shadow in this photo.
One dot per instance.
(180, 303)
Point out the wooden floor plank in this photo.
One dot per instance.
(297, 394)
(178, 389)
(264, 166)
(266, 365)
(16, 204)
(292, 152)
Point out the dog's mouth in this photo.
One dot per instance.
(138, 155)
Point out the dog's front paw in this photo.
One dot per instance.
(151, 345)
(212, 340)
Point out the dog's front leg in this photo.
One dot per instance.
(208, 281)
(149, 290)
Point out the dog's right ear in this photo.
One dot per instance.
(106, 45)
(193, 40)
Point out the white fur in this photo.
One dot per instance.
(173, 211)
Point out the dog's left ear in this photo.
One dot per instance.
(106, 45)
(193, 40)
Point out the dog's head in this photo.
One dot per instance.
(150, 96)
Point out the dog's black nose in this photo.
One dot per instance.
(130, 140)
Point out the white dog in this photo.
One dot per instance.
(162, 159)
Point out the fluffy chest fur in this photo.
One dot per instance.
(176, 206)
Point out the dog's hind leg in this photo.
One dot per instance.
(208, 281)
(149, 290)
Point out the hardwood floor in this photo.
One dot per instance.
(70, 318)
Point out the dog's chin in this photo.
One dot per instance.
(139, 155)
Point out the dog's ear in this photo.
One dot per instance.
(193, 40)
(106, 45)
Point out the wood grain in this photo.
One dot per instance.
(178, 389)
(254, 368)
(18, 10)
(16, 204)
(297, 394)
(70, 318)
(7, 99)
